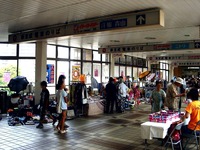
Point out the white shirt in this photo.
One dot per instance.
(61, 105)
(123, 89)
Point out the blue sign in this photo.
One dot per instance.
(197, 45)
(111, 24)
(140, 19)
(180, 46)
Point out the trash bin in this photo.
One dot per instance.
(3, 102)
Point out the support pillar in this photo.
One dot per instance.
(40, 67)
(112, 66)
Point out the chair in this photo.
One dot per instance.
(170, 139)
(194, 135)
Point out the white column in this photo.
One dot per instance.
(112, 66)
(40, 67)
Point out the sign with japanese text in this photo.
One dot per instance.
(38, 34)
(153, 17)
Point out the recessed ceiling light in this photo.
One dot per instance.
(186, 35)
(150, 38)
(114, 41)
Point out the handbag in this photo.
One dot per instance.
(70, 113)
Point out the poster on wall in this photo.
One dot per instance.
(76, 70)
(50, 73)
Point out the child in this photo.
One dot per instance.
(136, 92)
(61, 98)
(44, 103)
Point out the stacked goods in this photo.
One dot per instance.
(164, 116)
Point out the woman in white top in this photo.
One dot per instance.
(61, 97)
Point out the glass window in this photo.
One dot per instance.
(97, 72)
(116, 60)
(8, 49)
(105, 57)
(122, 71)
(144, 69)
(105, 72)
(75, 53)
(27, 50)
(51, 89)
(8, 70)
(139, 71)
(116, 71)
(129, 60)
(75, 71)
(28, 72)
(96, 56)
(51, 78)
(87, 71)
(87, 54)
(51, 51)
(63, 69)
(129, 71)
(135, 73)
(63, 52)
(167, 66)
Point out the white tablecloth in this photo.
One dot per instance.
(96, 106)
(150, 130)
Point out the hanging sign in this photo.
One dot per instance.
(186, 64)
(38, 34)
(175, 57)
(146, 48)
(151, 17)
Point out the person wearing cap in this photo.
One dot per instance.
(157, 97)
(172, 94)
(111, 93)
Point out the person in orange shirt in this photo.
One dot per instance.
(193, 109)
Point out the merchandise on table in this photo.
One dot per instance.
(163, 116)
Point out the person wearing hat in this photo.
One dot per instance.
(172, 94)
(157, 97)
(111, 93)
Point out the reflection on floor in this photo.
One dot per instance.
(102, 132)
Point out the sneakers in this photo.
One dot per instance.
(40, 126)
(63, 131)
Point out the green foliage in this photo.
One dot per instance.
(8, 68)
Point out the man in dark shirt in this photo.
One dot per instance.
(44, 102)
(111, 92)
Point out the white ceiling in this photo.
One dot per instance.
(182, 17)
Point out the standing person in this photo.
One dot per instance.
(172, 94)
(157, 97)
(136, 92)
(122, 92)
(61, 98)
(111, 93)
(44, 103)
(182, 92)
(192, 111)
(128, 82)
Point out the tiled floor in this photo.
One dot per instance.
(102, 132)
